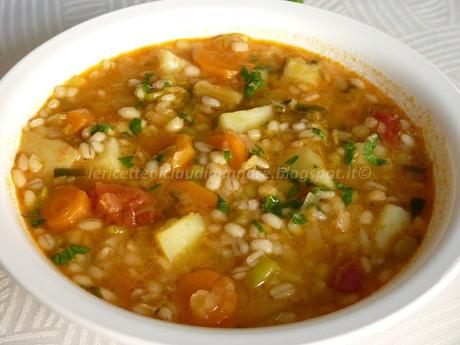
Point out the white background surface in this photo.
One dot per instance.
(432, 27)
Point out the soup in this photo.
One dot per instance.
(224, 182)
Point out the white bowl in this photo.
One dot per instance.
(418, 87)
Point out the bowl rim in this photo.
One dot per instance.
(126, 326)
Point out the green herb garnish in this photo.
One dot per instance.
(35, 218)
(68, 254)
(135, 126)
(291, 160)
(100, 127)
(228, 155)
(350, 149)
(127, 161)
(293, 191)
(145, 84)
(188, 119)
(258, 226)
(319, 133)
(306, 108)
(253, 81)
(347, 193)
(96, 291)
(272, 204)
(368, 151)
(299, 1)
(159, 157)
(155, 186)
(222, 205)
(298, 218)
(256, 151)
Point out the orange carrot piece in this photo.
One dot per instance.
(219, 60)
(65, 205)
(181, 154)
(77, 120)
(206, 298)
(193, 197)
(230, 141)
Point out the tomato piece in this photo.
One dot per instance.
(348, 277)
(206, 298)
(65, 205)
(392, 125)
(124, 205)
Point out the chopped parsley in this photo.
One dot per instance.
(135, 126)
(350, 149)
(298, 218)
(272, 204)
(188, 119)
(166, 84)
(145, 84)
(127, 161)
(293, 191)
(291, 160)
(253, 81)
(96, 291)
(368, 151)
(228, 155)
(253, 59)
(256, 151)
(306, 108)
(155, 186)
(222, 205)
(68, 254)
(159, 157)
(417, 205)
(258, 226)
(35, 218)
(319, 133)
(100, 127)
(347, 193)
(299, 1)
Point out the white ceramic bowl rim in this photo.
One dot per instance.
(24, 262)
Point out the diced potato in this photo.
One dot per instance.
(108, 160)
(226, 95)
(308, 165)
(392, 220)
(170, 62)
(180, 235)
(244, 120)
(300, 71)
(54, 153)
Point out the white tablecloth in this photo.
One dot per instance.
(432, 27)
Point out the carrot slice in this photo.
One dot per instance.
(193, 197)
(76, 120)
(218, 59)
(230, 141)
(181, 153)
(206, 298)
(65, 206)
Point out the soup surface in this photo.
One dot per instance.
(224, 182)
